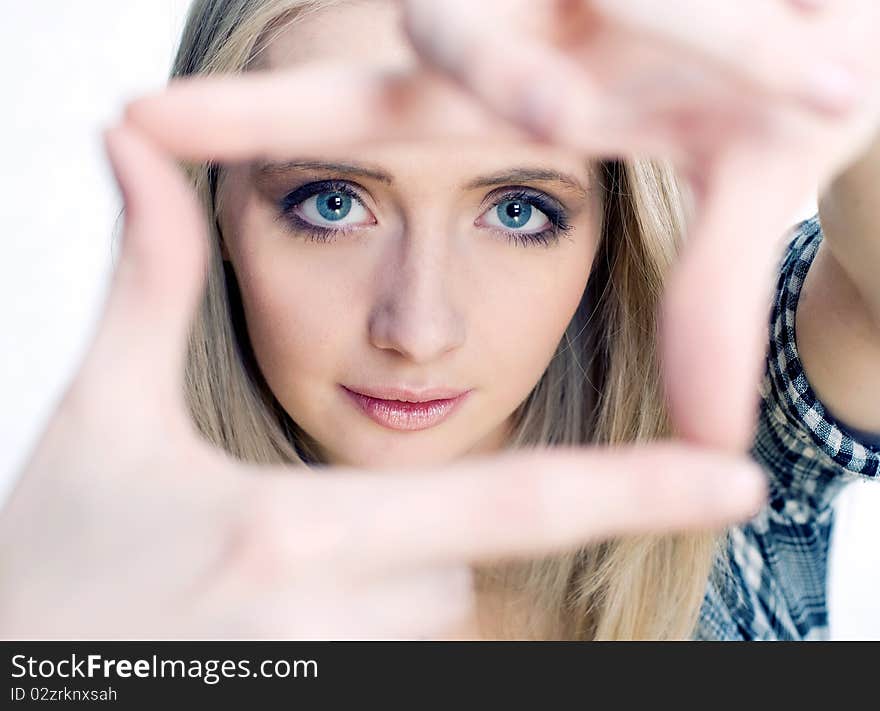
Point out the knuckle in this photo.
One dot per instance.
(272, 541)
(253, 546)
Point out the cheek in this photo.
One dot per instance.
(524, 312)
(296, 316)
(295, 307)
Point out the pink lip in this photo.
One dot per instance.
(431, 407)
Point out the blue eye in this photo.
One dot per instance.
(333, 206)
(514, 214)
(522, 214)
(526, 217)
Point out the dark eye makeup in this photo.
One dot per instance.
(341, 190)
(526, 198)
(333, 198)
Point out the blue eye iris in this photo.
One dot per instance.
(514, 213)
(333, 206)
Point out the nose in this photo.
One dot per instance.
(414, 312)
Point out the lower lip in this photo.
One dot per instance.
(406, 416)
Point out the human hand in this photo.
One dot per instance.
(126, 524)
(757, 103)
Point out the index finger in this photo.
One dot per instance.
(241, 117)
(528, 503)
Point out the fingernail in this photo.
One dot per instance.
(747, 485)
(833, 88)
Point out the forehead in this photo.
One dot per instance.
(369, 33)
(364, 32)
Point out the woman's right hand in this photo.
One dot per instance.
(126, 524)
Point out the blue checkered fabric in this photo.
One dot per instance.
(770, 584)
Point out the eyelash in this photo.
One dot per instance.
(296, 197)
(555, 212)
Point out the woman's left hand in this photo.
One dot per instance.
(757, 103)
(619, 77)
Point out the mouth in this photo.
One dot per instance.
(406, 410)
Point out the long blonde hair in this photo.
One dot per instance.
(602, 385)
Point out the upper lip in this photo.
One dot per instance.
(407, 394)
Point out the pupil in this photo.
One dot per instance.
(514, 213)
(334, 206)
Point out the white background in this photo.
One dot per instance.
(68, 67)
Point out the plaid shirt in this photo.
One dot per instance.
(771, 584)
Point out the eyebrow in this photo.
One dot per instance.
(506, 177)
(527, 175)
(346, 169)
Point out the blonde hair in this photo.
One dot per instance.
(602, 385)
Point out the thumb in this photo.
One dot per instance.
(718, 300)
(139, 351)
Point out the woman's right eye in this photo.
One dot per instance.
(326, 207)
(334, 209)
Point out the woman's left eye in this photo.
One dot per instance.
(516, 214)
(527, 217)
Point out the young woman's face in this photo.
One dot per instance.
(417, 266)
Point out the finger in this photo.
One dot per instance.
(415, 604)
(807, 6)
(615, 97)
(136, 362)
(536, 86)
(536, 502)
(717, 301)
(422, 604)
(266, 115)
(788, 55)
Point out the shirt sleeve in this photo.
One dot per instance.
(771, 581)
(807, 453)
